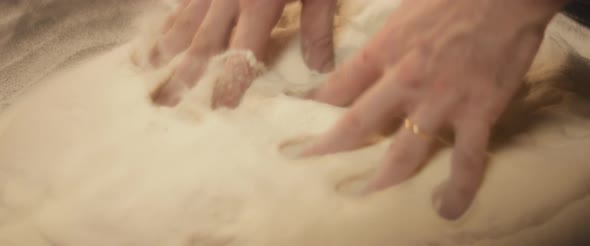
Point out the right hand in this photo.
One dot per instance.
(443, 65)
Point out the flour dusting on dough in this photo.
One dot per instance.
(88, 159)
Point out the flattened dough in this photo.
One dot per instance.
(86, 159)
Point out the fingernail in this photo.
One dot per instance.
(355, 186)
(319, 60)
(377, 183)
(450, 204)
(230, 87)
(367, 190)
(295, 148)
(313, 149)
(306, 95)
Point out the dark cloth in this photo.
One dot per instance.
(579, 11)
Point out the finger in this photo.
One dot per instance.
(211, 39)
(350, 80)
(257, 19)
(317, 24)
(179, 36)
(173, 16)
(182, 79)
(455, 196)
(359, 73)
(215, 31)
(412, 147)
(377, 109)
(228, 90)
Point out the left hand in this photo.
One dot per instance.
(442, 64)
(206, 28)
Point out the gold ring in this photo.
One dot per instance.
(414, 128)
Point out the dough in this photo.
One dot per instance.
(87, 159)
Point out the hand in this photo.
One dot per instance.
(204, 29)
(444, 65)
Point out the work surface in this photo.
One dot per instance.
(87, 159)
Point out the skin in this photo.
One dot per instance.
(204, 29)
(444, 64)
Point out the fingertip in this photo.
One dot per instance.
(456, 195)
(372, 187)
(167, 96)
(451, 202)
(350, 81)
(332, 143)
(318, 54)
(321, 146)
(239, 71)
(317, 30)
(341, 138)
(385, 179)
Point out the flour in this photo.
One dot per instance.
(87, 159)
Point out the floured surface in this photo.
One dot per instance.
(88, 160)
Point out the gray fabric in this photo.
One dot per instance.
(39, 37)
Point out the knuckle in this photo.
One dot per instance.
(185, 23)
(472, 114)
(469, 162)
(409, 73)
(404, 154)
(320, 41)
(367, 58)
(353, 121)
(203, 46)
(408, 81)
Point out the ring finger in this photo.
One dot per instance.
(411, 148)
